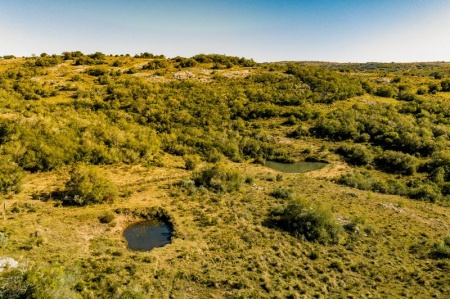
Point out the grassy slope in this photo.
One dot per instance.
(221, 247)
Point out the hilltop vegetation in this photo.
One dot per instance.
(190, 136)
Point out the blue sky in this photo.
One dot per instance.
(325, 30)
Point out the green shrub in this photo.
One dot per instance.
(281, 193)
(89, 185)
(11, 176)
(155, 64)
(445, 85)
(407, 96)
(219, 178)
(356, 154)
(441, 250)
(434, 88)
(425, 192)
(396, 162)
(315, 223)
(385, 92)
(191, 161)
(107, 217)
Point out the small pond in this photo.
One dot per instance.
(146, 235)
(298, 167)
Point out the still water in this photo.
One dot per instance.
(298, 167)
(147, 235)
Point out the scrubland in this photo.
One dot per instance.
(90, 144)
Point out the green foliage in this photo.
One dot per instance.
(434, 88)
(385, 92)
(47, 61)
(329, 85)
(300, 218)
(445, 85)
(381, 125)
(407, 96)
(107, 217)
(357, 154)
(156, 64)
(11, 176)
(185, 63)
(97, 71)
(396, 162)
(218, 178)
(366, 181)
(191, 161)
(441, 250)
(282, 193)
(89, 185)
(228, 61)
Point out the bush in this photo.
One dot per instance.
(191, 161)
(406, 96)
(107, 217)
(425, 192)
(155, 64)
(385, 92)
(441, 250)
(445, 85)
(89, 185)
(218, 178)
(300, 218)
(11, 176)
(281, 193)
(355, 154)
(397, 162)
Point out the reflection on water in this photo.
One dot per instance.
(147, 235)
(298, 167)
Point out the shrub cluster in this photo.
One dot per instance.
(11, 176)
(301, 218)
(89, 185)
(218, 178)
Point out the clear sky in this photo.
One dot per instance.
(325, 30)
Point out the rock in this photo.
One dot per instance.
(8, 263)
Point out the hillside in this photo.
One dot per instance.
(90, 144)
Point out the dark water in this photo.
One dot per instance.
(298, 167)
(147, 235)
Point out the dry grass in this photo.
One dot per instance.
(222, 248)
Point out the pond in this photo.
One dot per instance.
(298, 167)
(146, 235)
